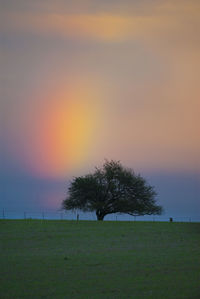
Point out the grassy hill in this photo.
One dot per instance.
(89, 259)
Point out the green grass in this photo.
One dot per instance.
(66, 259)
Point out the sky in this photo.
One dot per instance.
(88, 80)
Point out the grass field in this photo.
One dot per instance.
(86, 259)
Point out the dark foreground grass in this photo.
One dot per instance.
(85, 259)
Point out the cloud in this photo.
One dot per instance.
(94, 27)
(167, 22)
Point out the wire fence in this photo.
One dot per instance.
(79, 215)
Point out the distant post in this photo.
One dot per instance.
(171, 219)
(77, 217)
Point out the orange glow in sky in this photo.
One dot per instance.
(60, 137)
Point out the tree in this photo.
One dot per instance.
(112, 189)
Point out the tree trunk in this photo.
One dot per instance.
(100, 215)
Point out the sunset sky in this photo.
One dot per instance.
(86, 80)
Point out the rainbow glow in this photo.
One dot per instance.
(60, 139)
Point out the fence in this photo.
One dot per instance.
(79, 215)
